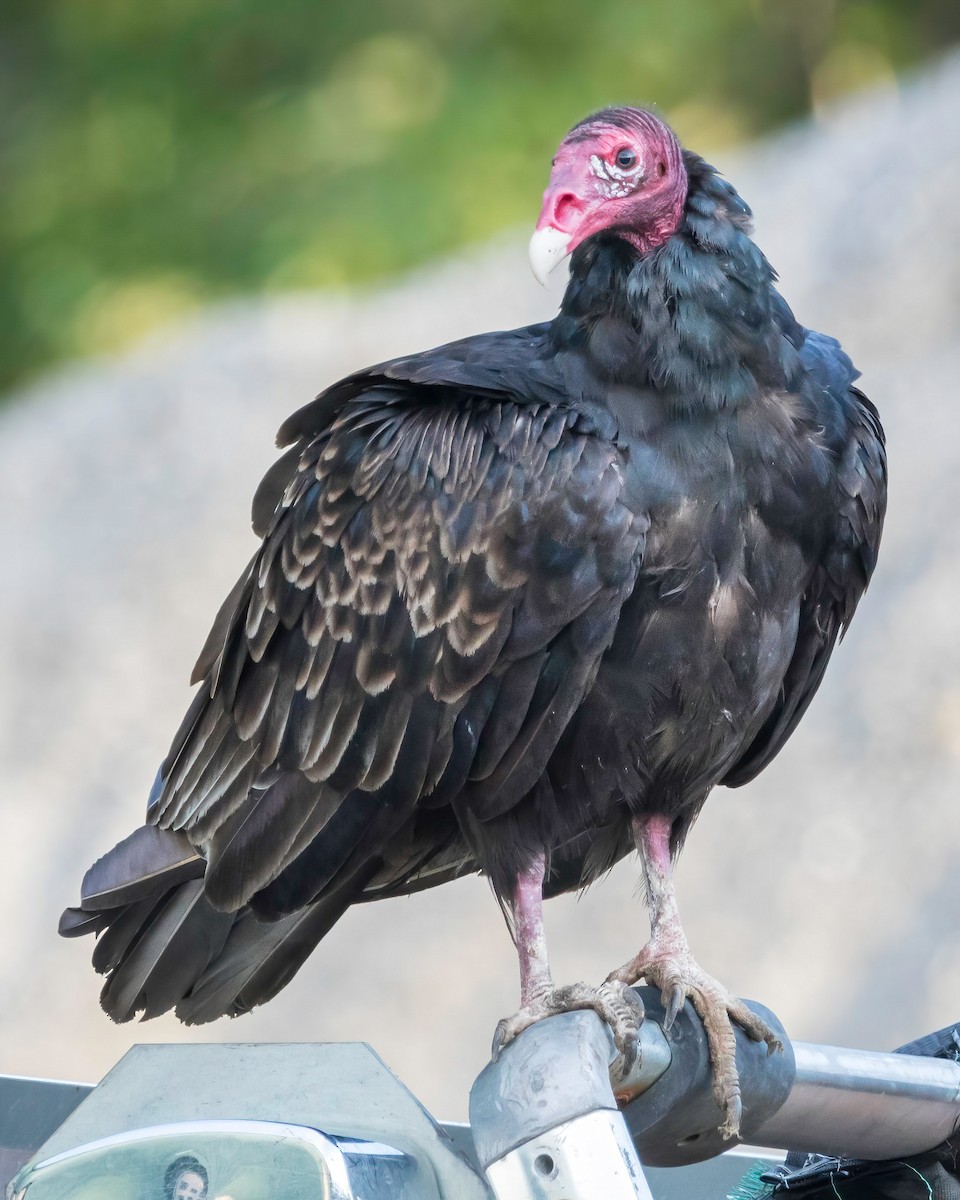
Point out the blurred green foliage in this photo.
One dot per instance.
(159, 154)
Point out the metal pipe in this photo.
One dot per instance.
(864, 1104)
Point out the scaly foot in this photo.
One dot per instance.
(679, 977)
(613, 1002)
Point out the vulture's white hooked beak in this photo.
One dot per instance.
(548, 248)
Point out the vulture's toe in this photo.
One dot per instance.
(614, 1003)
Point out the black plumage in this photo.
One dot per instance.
(514, 594)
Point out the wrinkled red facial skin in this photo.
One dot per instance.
(589, 192)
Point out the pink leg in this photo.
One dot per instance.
(667, 963)
(530, 935)
(652, 836)
(612, 1002)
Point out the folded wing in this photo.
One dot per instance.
(437, 583)
(842, 575)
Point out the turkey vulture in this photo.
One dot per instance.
(520, 603)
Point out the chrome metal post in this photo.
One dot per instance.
(865, 1104)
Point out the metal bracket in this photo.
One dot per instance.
(545, 1120)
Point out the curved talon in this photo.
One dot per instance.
(731, 1124)
(673, 1003)
(626, 1061)
(499, 1040)
(627, 1008)
(629, 1054)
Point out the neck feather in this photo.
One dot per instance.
(696, 315)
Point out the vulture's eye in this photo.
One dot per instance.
(626, 158)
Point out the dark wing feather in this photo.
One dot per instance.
(851, 422)
(147, 862)
(437, 584)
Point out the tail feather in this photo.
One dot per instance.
(173, 948)
(125, 928)
(259, 959)
(167, 940)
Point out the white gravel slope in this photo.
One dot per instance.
(828, 888)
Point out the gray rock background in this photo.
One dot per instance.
(828, 888)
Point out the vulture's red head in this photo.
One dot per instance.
(619, 171)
